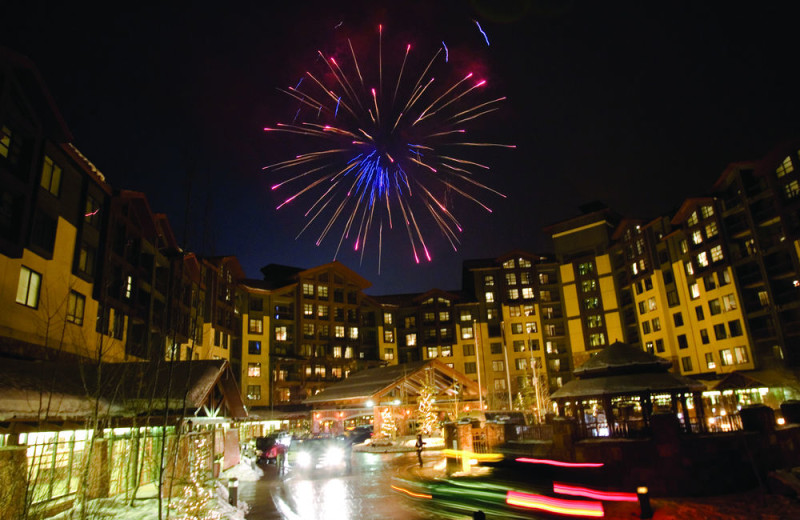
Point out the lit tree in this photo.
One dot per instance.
(197, 492)
(426, 416)
(388, 423)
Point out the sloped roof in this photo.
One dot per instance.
(376, 382)
(34, 390)
(770, 378)
(627, 384)
(619, 358)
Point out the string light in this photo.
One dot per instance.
(197, 493)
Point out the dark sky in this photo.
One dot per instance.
(638, 105)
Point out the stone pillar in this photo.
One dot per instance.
(13, 480)
(99, 469)
(700, 410)
(687, 422)
(758, 418)
(495, 435)
(465, 437)
(564, 436)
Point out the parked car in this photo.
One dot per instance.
(272, 447)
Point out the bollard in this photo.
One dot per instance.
(233, 491)
(644, 502)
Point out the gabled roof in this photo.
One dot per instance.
(409, 377)
(621, 358)
(345, 271)
(769, 378)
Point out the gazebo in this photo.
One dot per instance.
(617, 390)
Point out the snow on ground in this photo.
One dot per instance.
(117, 509)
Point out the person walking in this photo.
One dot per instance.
(420, 443)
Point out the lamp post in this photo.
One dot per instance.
(535, 379)
(478, 362)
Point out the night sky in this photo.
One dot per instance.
(638, 105)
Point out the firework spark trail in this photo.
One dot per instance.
(482, 31)
(377, 147)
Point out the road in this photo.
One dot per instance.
(364, 494)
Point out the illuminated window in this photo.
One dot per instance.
(514, 311)
(763, 298)
(255, 326)
(544, 278)
(91, 213)
(785, 167)
(447, 350)
(651, 303)
(254, 369)
(511, 279)
(410, 321)
(51, 176)
(348, 352)
(499, 384)
(308, 330)
(723, 278)
(694, 290)
(702, 259)
(710, 364)
(387, 318)
(75, 305)
(707, 211)
(488, 280)
(530, 327)
(322, 292)
(308, 309)
(388, 354)
(319, 370)
(467, 333)
(589, 285)
(508, 264)
(714, 307)
(353, 333)
(791, 190)
(513, 294)
(516, 328)
(725, 357)
(689, 268)
(489, 296)
(527, 293)
(591, 303)
(524, 262)
(308, 290)
(5, 141)
(322, 312)
(525, 277)
(388, 336)
(444, 316)
(716, 253)
(692, 219)
(491, 314)
(518, 346)
(338, 331)
(281, 333)
(597, 340)
(585, 268)
(649, 347)
(656, 324)
(498, 366)
(684, 246)
(740, 354)
(711, 229)
(433, 352)
(428, 317)
(521, 363)
(697, 236)
(86, 257)
(254, 392)
(128, 287)
(28, 288)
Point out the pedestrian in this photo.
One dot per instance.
(420, 443)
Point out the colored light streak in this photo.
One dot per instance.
(482, 31)
(478, 457)
(611, 496)
(93, 213)
(411, 493)
(561, 464)
(446, 52)
(555, 505)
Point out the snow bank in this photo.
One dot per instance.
(245, 471)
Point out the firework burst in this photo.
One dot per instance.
(385, 154)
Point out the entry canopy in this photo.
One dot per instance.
(408, 379)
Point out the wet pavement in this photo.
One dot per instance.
(363, 494)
